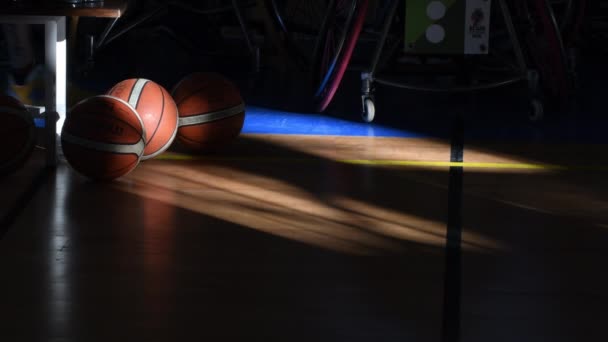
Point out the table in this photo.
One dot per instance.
(53, 14)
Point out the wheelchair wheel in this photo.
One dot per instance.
(335, 47)
(299, 22)
(545, 48)
(570, 16)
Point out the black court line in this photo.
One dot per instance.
(450, 331)
(23, 200)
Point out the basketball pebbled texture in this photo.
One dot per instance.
(211, 111)
(155, 107)
(103, 137)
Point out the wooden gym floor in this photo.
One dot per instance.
(316, 238)
(320, 235)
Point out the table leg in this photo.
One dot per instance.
(56, 82)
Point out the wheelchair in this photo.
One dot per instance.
(441, 46)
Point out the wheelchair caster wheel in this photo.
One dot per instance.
(537, 110)
(369, 110)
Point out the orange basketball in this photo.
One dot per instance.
(17, 134)
(211, 111)
(103, 137)
(156, 108)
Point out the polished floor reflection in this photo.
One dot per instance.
(311, 239)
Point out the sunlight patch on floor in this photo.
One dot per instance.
(276, 207)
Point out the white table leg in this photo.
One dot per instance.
(56, 82)
(56, 74)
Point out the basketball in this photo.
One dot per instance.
(156, 109)
(17, 134)
(103, 137)
(211, 111)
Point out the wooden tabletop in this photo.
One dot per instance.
(104, 9)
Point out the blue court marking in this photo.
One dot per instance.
(268, 121)
(261, 120)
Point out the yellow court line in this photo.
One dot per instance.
(384, 162)
(477, 165)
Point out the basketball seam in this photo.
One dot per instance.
(176, 86)
(168, 143)
(131, 93)
(132, 166)
(194, 141)
(99, 146)
(181, 136)
(162, 113)
(140, 92)
(126, 123)
(208, 142)
(114, 98)
(240, 107)
(214, 111)
(139, 119)
(192, 93)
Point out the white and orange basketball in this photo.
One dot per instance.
(17, 134)
(211, 111)
(103, 137)
(156, 108)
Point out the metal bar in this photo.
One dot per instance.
(382, 41)
(517, 49)
(239, 16)
(129, 27)
(560, 41)
(486, 86)
(317, 48)
(106, 31)
(216, 10)
(568, 15)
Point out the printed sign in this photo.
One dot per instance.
(477, 27)
(435, 26)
